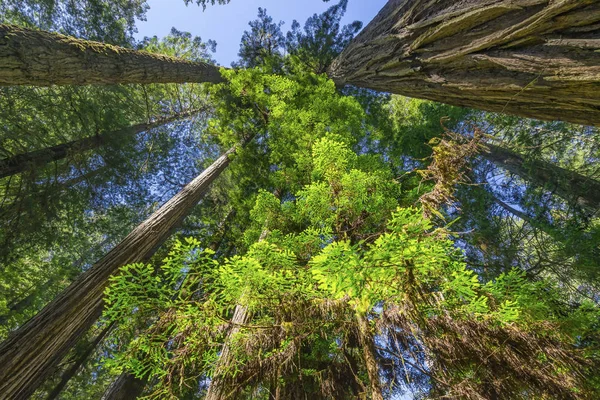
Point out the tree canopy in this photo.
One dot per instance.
(270, 233)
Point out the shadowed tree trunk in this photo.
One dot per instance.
(533, 58)
(574, 188)
(125, 387)
(33, 350)
(81, 359)
(366, 341)
(35, 159)
(32, 57)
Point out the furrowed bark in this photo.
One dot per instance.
(533, 58)
(33, 350)
(35, 159)
(366, 341)
(32, 57)
(574, 188)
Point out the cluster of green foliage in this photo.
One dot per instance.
(337, 238)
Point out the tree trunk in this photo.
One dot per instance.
(72, 370)
(32, 57)
(125, 387)
(35, 159)
(533, 58)
(31, 352)
(218, 389)
(366, 341)
(572, 187)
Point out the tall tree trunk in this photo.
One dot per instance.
(32, 57)
(218, 389)
(533, 58)
(366, 341)
(574, 188)
(31, 352)
(81, 359)
(35, 159)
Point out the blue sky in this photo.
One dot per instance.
(227, 23)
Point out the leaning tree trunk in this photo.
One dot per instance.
(35, 159)
(33, 350)
(32, 57)
(572, 187)
(533, 58)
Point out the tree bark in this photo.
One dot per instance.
(72, 370)
(35, 159)
(533, 58)
(366, 341)
(574, 188)
(32, 57)
(31, 352)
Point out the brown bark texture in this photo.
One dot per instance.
(574, 188)
(38, 158)
(32, 351)
(33, 57)
(366, 341)
(533, 58)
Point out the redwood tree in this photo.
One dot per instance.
(32, 57)
(534, 58)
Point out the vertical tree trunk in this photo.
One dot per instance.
(218, 388)
(366, 341)
(30, 353)
(81, 359)
(32, 57)
(35, 159)
(533, 58)
(572, 187)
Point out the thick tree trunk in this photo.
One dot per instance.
(31, 352)
(32, 57)
(533, 58)
(574, 188)
(366, 341)
(81, 359)
(218, 388)
(35, 159)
